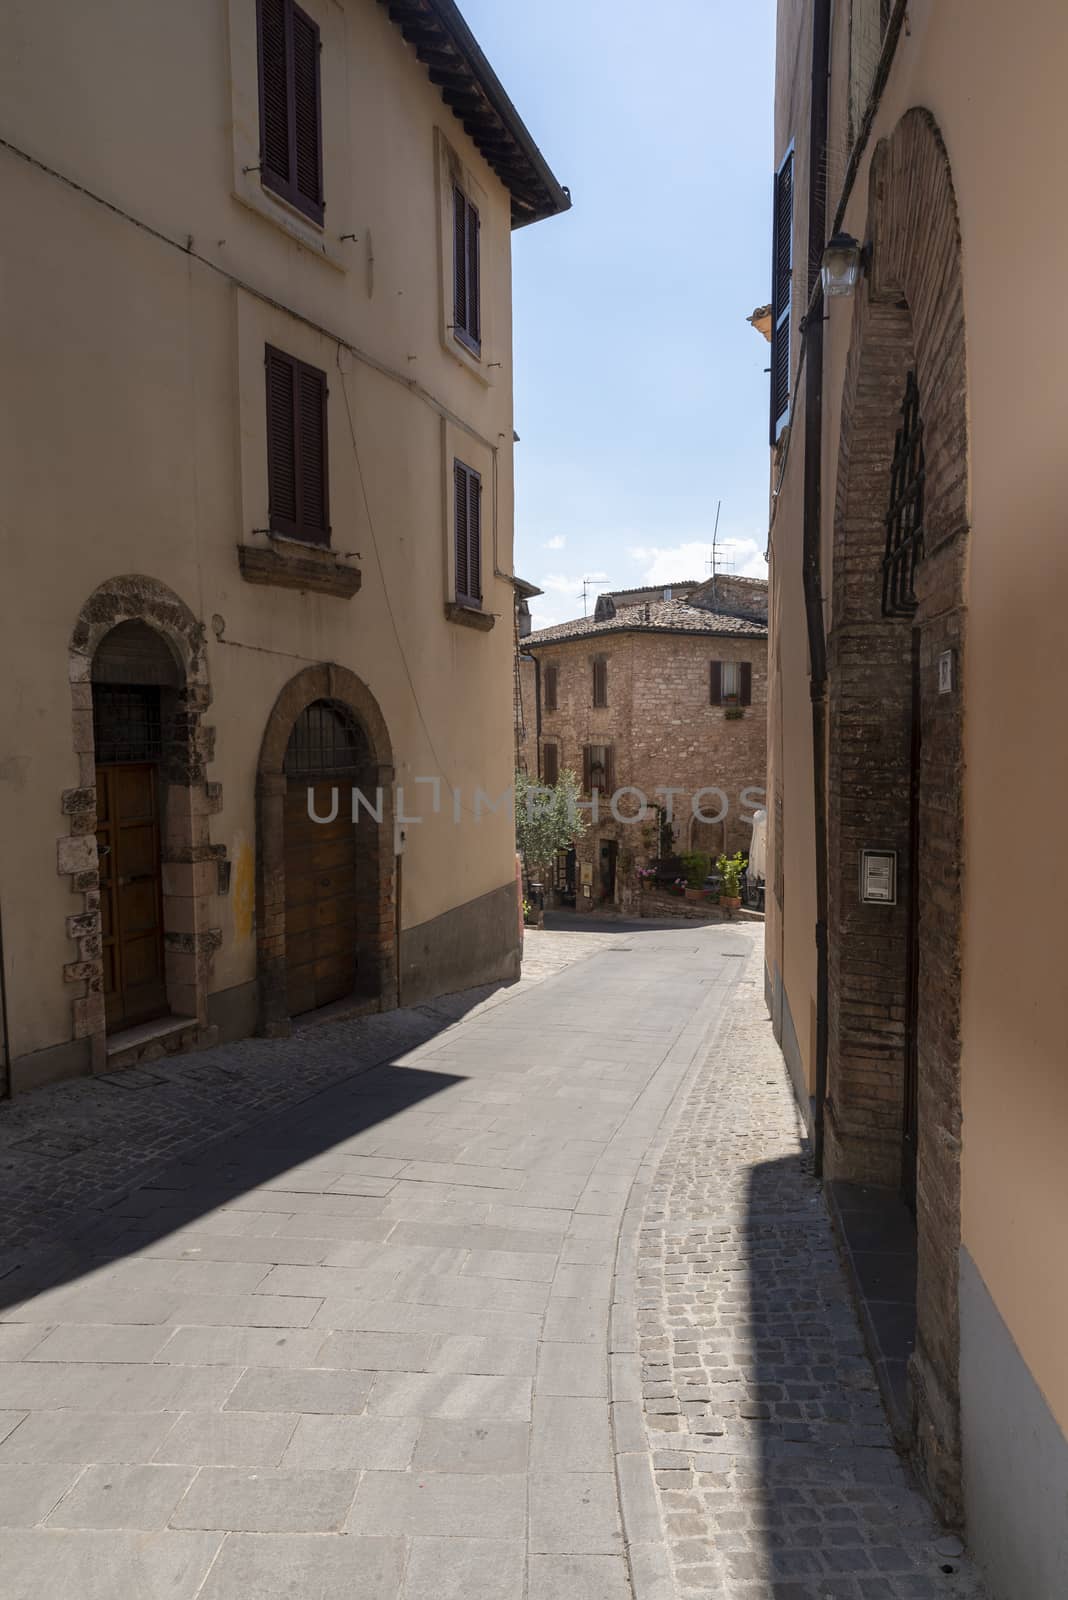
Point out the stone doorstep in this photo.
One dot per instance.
(344, 1010)
(150, 1040)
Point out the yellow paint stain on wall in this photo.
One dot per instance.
(243, 893)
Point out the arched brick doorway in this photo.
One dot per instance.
(141, 812)
(895, 753)
(326, 923)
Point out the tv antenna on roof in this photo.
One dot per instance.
(716, 563)
(587, 585)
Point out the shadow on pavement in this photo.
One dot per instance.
(134, 1202)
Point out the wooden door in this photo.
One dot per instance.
(131, 893)
(320, 898)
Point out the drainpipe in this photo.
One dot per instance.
(812, 561)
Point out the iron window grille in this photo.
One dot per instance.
(127, 725)
(325, 741)
(904, 519)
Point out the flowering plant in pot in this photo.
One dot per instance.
(730, 870)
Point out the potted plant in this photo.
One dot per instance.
(695, 867)
(730, 870)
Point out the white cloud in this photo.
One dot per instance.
(557, 542)
(690, 560)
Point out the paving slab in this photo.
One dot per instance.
(281, 1567)
(380, 1302)
(234, 1499)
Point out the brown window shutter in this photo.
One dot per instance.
(715, 693)
(600, 682)
(746, 675)
(781, 293)
(281, 442)
(551, 765)
(474, 274)
(550, 688)
(460, 513)
(467, 315)
(609, 769)
(587, 768)
(297, 476)
(314, 520)
(474, 537)
(274, 95)
(291, 143)
(467, 499)
(307, 116)
(459, 259)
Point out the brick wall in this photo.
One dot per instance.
(910, 318)
(663, 731)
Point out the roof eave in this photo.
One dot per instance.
(532, 642)
(473, 92)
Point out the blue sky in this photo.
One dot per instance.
(641, 396)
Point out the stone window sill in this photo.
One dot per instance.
(291, 564)
(469, 616)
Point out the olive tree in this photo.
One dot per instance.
(547, 819)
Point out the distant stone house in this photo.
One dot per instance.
(653, 693)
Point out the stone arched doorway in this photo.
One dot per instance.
(895, 754)
(139, 848)
(326, 924)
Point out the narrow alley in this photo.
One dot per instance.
(524, 1295)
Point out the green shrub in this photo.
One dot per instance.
(696, 867)
(730, 869)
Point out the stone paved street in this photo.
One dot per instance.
(523, 1296)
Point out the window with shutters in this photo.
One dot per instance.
(550, 765)
(552, 688)
(782, 268)
(731, 683)
(467, 532)
(600, 681)
(598, 768)
(296, 449)
(291, 143)
(467, 313)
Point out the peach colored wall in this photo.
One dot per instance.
(993, 82)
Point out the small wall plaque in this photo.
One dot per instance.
(878, 877)
(945, 672)
(586, 873)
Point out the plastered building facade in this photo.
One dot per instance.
(257, 536)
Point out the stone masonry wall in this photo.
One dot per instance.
(663, 732)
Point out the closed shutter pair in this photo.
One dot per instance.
(550, 765)
(467, 516)
(467, 311)
(291, 146)
(296, 448)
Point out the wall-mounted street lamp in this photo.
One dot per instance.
(843, 259)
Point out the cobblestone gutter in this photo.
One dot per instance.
(773, 1461)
